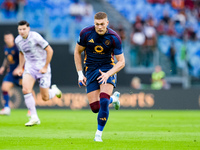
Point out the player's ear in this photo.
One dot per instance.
(107, 22)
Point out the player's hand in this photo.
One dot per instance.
(103, 77)
(2, 70)
(19, 71)
(15, 72)
(82, 82)
(43, 70)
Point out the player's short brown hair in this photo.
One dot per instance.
(23, 22)
(100, 15)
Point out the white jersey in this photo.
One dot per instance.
(33, 49)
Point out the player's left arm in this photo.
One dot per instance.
(49, 51)
(116, 68)
(5, 63)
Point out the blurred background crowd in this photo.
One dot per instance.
(160, 35)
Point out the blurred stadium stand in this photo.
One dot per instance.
(53, 20)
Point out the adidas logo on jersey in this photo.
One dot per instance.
(91, 41)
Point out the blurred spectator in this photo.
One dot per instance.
(19, 4)
(136, 84)
(137, 41)
(121, 33)
(161, 27)
(172, 58)
(158, 79)
(157, 1)
(189, 4)
(190, 34)
(170, 29)
(88, 9)
(180, 17)
(178, 4)
(150, 42)
(166, 17)
(9, 7)
(76, 10)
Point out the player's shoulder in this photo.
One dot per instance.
(114, 34)
(34, 34)
(87, 29)
(18, 39)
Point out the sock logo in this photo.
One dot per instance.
(103, 119)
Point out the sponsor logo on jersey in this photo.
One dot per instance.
(98, 48)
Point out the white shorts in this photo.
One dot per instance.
(44, 80)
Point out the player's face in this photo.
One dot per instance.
(9, 39)
(23, 31)
(101, 25)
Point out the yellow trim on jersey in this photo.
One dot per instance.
(85, 57)
(112, 63)
(86, 68)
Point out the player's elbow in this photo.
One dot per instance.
(122, 64)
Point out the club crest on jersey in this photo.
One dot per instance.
(107, 42)
(98, 48)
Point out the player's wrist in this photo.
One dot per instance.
(80, 75)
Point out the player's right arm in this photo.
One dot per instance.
(78, 63)
(5, 63)
(21, 63)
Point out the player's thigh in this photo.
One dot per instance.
(45, 80)
(6, 86)
(44, 93)
(93, 96)
(106, 88)
(27, 83)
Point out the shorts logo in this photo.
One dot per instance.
(107, 42)
(98, 49)
(103, 119)
(113, 80)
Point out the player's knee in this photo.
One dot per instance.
(45, 97)
(104, 100)
(95, 106)
(25, 91)
(4, 89)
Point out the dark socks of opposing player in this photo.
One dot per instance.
(103, 111)
(6, 98)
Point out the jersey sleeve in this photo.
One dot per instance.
(82, 38)
(41, 41)
(117, 46)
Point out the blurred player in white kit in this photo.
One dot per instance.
(35, 56)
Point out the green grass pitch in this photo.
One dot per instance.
(125, 129)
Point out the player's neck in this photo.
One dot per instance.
(25, 37)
